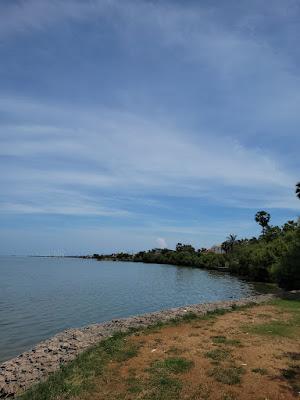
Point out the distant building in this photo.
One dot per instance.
(217, 249)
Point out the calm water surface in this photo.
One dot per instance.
(42, 296)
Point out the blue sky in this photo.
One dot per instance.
(128, 124)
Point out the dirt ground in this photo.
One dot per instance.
(219, 358)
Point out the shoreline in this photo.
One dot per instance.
(35, 365)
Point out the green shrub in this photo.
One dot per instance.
(287, 269)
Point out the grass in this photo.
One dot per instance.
(174, 365)
(162, 379)
(187, 317)
(289, 328)
(224, 340)
(163, 387)
(287, 305)
(227, 375)
(261, 371)
(163, 383)
(202, 392)
(215, 313)
(264, 287)
(174, 350)
(78, 376)
(273, 329)
(191, 317)
(218, 354)
(134, 385)
(292, 375)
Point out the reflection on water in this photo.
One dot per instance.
(42, 296)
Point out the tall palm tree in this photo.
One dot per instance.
(231, 240)
(263, 218)
(225, 246)
(297, 191)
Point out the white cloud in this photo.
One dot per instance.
(82, 209)
(238, 52)
(101, 149)
(128, 154)
(161, 242)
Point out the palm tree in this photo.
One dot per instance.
(225, 246)
(263, 218)
(229, 243)
(231, 239)
(297, 191)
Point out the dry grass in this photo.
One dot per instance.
(249, 354)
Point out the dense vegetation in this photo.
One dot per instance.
(272, 257)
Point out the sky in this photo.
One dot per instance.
(134, 124)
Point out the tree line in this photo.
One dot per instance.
(274, 256)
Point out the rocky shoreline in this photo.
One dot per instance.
(33, 366)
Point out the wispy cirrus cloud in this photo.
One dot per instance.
(139, 111)
(125, 153)
(77, 209)
(238, 50)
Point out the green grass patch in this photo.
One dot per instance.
(134, 385)
(163, 383)
(218, 354)
(289, 328)
(273, 329)
(227, 375)
(226, 341)
(189, 316)
(163, 387)
(218, 311)
(79, 375)
(265, 288)
(154, 328)
(287, 305)
(175, 365)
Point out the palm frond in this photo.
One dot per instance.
(297, 191)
